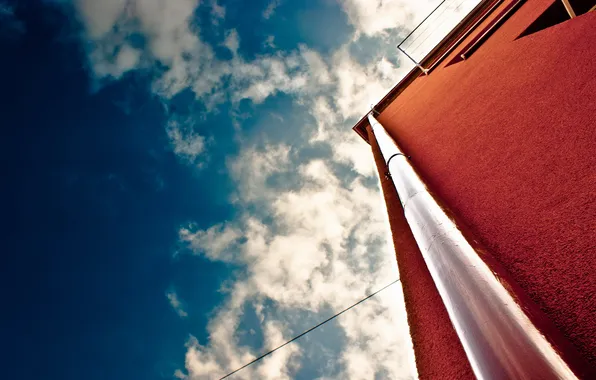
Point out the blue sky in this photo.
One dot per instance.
(182, 189)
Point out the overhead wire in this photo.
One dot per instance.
(355, 304)
(309, 330)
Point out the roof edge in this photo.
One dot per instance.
(437, 54)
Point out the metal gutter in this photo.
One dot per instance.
(449, 42)
(502, 332)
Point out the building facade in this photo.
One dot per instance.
(502, 131)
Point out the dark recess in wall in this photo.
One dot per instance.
(556, 14)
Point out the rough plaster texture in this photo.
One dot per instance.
(507, 140)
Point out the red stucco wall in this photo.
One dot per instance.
(507, 140)
(439, 353)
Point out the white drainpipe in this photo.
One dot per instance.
(499, 339)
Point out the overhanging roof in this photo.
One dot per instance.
(434, 57)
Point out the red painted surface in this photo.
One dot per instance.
(507, 139)
(483, 303)
(484, 32)
(439, 354)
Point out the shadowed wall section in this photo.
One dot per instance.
(439, 353)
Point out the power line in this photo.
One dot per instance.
(309, 330)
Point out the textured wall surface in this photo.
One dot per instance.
(439, 353)
(507, 140)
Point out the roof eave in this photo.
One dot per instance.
(437, 54)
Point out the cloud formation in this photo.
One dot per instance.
(315, 246)
(185, 142)
(176, 304)
(270, 10)
(310, 233)
(124, 35)
(324, 249)
(378, 16)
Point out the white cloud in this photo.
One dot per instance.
(124, 59)
(386, 18)
(350, 150)
(217, 11)
(128, 57)
(270, 10)
(173, 41)
(111, 25)
(316, 244)
(256, 166)
(213, 242)
(270, 42)
(360, 87)
(100, 17)
(176, 304)
(372, 17)
(313, 248)
(191, 63)
(185, 142)
(271, 77)
(317, 252)
(232, 41)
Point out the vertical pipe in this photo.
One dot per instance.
(438, 351)
(491, 320)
